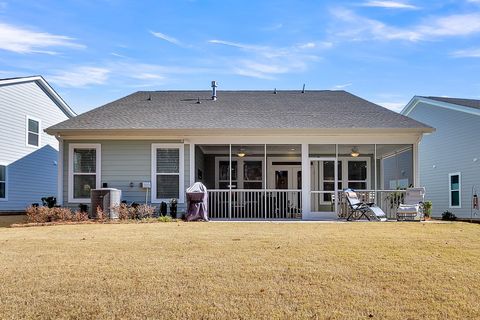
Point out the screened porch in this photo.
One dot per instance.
(266, 181)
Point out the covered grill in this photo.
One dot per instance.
(197, 198)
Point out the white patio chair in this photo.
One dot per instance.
(412, 207)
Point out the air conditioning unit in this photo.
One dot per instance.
(108, 199)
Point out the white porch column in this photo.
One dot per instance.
(416, 171)
(305, 182)
(192, 163)
(60, 172)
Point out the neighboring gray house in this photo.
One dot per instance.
(28, 156)
(261, 154)
(450, 157)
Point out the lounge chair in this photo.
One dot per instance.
(359, 209)
(412, 208)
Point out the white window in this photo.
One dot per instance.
(167, 172)
(33, 127)
(3, 182)
(84, 163)
(454, 188)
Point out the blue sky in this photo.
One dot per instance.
(93, 52)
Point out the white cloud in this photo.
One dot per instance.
(389, 4)
(22, 40)
(467, 53)
(359, 28)
(342, 86)
(265, 62)
(81, 76)
(165, 37)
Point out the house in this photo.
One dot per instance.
(449, 157)
(262, 154)
(28, 156)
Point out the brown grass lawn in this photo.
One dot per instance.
(242, 271)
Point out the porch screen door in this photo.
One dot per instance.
(324, 184)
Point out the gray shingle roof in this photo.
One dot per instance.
(472, 103)
(239, 110)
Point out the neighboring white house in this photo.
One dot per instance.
(449, 158)
(261, 154)
(28, 156)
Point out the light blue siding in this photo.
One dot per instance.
(32, 172)
(451, 148)
(124, 162)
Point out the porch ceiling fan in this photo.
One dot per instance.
(241, 152)
(354, 153)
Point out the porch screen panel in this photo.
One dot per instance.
(168, 173)
(358, 166)
(322, 177)
(395, 166)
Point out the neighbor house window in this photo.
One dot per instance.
(84, 171)
(33, 132)
(167, 172)
(3, 182)
(454, 185)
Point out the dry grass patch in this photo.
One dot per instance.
(241, 270)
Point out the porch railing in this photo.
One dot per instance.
(387, 200)
(255, 204)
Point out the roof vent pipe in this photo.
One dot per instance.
(303, 89)
(214, 90)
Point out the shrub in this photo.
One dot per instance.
(139, 211)
(165, 219)
(101, 215)
(125, 212)
(46, 214)
(79, 216)
(449, 216)
(145, 211)
(427, 208)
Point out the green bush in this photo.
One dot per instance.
(449, 216)
(165, 219)
(427, 209)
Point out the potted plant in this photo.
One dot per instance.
(173, 208)
(427, 210)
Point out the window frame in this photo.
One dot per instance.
(5, 182)
(98, 168)
(181, 171)
(240, 178)
(459, 190)
(344, 181)
(27, 118)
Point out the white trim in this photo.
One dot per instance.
(235, 137)
(27, 118)
(193, 174)
(98, 165)
(306, 206)
(450, 175)
(446, 105)
(6, 182)
(60, 172)
(181, 169)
